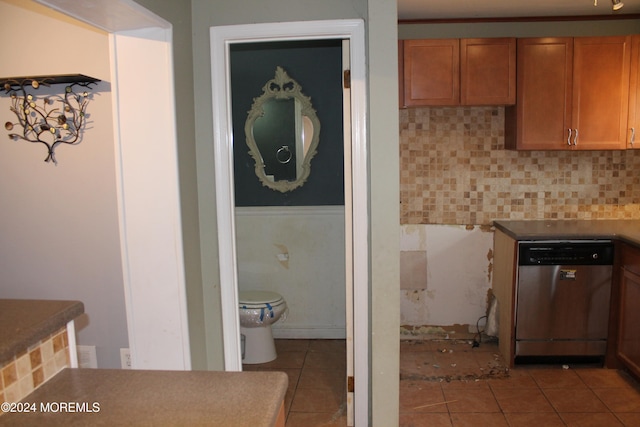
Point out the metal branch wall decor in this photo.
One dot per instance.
(51, 119)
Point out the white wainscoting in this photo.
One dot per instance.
(299, 253)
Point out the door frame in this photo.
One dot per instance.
(146, 178)
(356, 206)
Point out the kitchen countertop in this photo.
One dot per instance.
(115, 397)
(25, 322)
(623, 230)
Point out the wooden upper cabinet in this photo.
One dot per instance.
(633, 125)
(572, 94)
(542, 115)
(601, 92)
(488, 71)
(443, 72)
(431, 72)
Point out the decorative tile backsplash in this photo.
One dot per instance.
(454, 170)
(33, 367)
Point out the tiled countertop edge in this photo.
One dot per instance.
(44, 318)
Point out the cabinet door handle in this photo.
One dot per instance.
(633, 136)
(575, 138)
(569, 137)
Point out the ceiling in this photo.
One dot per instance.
(457, 9)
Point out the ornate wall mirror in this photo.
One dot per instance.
(282, 132)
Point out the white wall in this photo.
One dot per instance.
(178, 13)
(59, 223)
(311, 279)
(446, 274)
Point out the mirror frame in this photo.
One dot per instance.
(282, 87)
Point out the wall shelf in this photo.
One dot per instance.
(50, 119)
(17, 82)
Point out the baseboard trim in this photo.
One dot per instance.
(310, 333)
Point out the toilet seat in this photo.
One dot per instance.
(259, 299)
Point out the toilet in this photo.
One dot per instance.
(258, 310)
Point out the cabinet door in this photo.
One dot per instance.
(431, 72)
(628, 337)
(633, 137)
(601, 92)
(542, 116)
(488, 71)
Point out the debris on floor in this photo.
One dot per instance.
(450, 360)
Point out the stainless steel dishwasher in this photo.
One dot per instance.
(562, 298)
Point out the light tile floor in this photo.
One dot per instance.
(449, 383)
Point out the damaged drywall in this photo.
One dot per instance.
(446, 274)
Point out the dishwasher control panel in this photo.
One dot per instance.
(587, 252)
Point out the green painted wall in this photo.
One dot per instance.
(193, 87)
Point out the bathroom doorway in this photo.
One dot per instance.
(291, 241)
(353, 215)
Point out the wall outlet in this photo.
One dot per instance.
(87, 356)
(125, 358)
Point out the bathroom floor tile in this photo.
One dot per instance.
(326, 361)
(317, 381)
(288, 399)
(329, 346)
(291, 345)
(315, 378)
(286, 359)
(294, 379)
(252, 367)
(308, 419)
(317, 400)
